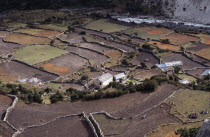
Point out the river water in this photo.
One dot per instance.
(139, 20)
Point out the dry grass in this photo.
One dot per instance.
(7, 76)
(186, 102)
(114, 57)
(179, 39)
(3, 33)
(39, 32)
(204, 38)
(169, 130)
(25, 39)
(204, 53)
(58, 27)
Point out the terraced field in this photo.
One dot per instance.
(6, 47)
(165, 46)
(38, 53)
(105, 26)
(25, 39)
(57, 27)
(5, 102)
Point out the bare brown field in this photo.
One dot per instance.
(39, 32)
(6, 130)
(94, 57)
(25, 39)
(65, 64)
(63, 127)
(6, 76)
(187, 63)
(165, 46)
(146, 58)
(204, 53)
(25, 71)
(143, 74)
(180, 39)
(5, 102)
(3, 34)
(6, 47)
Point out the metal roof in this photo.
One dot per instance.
(206, 72)
(104, 77)
(173, 63)
(119, 76)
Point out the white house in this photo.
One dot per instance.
(104, 80)
(206, 72)
(119, 76)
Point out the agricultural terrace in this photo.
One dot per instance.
(25, 39)
(197, 72)
(5, 102)
(147, 58)
(114, 55)
(92, 32)
(72, 38)
(72, 126)
(3, 34)
(127, 38)
(25, 71)
(58, 27)
(104, 41)
(148, 32)
(110, 126)
(38, 53)
(93, 57)
(12, 24)
(65, 65)
(169, 130)
(58, 43)
(204, 38)
(165, 46)
(204, 53)
(6, 47)
(143, 74)
(188, 77)
(105, 26)
(39, 32)
(188, 63)
(179, 39)
(186, 102)
(7, 76)
(6, 130)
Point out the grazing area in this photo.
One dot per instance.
(187, 77)
(180, 39)
(65, 65)
(169, 130)
(93, 57)
(196, 72)
(72, 38)
(39, 32)
(72, 126)
(5, 102)
(165, 46)
(148, 32)
(188, 63)
(187, 102)
(3, 33)
(111, 126)
(24, 71)
(25, 39)
(105, 26)
(204, 53)
(38, 53)
(6, 130)
(6, 47)
(204, 38)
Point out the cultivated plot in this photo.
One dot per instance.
(25, 39)
(6, 130)
(148, 32)
(72, 38)
(24, 71)
(93, 57)
(5, 102)
(165, 46)
(105, 26)
(6, 76)
(38, 53)
(6, 47)
(65, 65)
(143, 74)
(57, 27)
(180, 39)
(39, 32)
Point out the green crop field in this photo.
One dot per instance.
(37, 53)
(105, 26)
(58, 27)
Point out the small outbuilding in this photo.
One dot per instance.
(119, 77)
(184, 81)
(104, 80)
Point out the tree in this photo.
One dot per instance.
(56, 97)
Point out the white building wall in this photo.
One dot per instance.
(106, 83)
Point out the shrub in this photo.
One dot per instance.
(56, 97)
